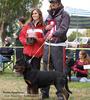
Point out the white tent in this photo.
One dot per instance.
(79, 18)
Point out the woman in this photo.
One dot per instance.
(31, 36)
(79, 65)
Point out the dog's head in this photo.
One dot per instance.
(69, 62)
(19, 67)
(22, 65)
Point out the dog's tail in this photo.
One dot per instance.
(66, 85)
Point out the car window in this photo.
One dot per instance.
(81, 40)
(84, 40)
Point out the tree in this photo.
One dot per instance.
(74, 35)
(87, 32)
(9, 9)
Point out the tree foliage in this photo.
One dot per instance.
(10, 9)
(73, 35)
(87, 32)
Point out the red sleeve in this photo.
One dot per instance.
(74, 68)
(40, 39)
(22, 36)
(82, 71)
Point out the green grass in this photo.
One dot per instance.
(14, 88)
(78, 85)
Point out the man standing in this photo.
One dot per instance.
(57, 25)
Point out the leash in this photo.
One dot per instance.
(29, 61)
(48, 64)
(46, 36)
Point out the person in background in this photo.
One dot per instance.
(78, 67)
(7, 41)
(18, 44)
(57, 25)
(6, 52)
(31, 37)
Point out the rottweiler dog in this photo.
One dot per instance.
(36, 79)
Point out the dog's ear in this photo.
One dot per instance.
(23, 62)
(27, 64)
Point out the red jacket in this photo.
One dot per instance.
(31, 50)
(78, 68)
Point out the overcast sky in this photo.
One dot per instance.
(82, 4)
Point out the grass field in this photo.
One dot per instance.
(14, 88)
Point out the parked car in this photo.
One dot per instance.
(81, 42)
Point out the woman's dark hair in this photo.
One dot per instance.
(40, 16)
(22, 20)
(84, 54)
(86, 57)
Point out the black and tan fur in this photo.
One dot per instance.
(36, 79)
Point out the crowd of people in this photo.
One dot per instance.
(42, 40)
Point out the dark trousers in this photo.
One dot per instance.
(19, 53)
(55, 61)
(35, 62)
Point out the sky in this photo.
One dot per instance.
(81, 4)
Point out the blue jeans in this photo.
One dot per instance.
(75, 79)
(2, 58)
